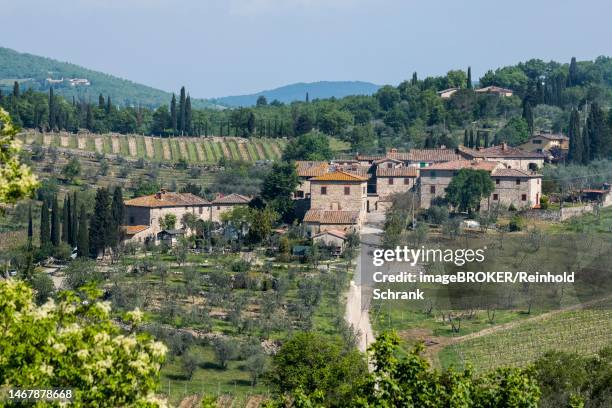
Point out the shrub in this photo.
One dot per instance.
(544, 201)
(517, 223)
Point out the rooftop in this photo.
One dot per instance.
(463, 164)
(232, 199)
(134, 229)
(166, 199)
(514, 173)
(340, 175)
(397, 172)
(335, 233)
(493, 89)
(551, 136)
(501, 151)
(311, 168)
(331, 217)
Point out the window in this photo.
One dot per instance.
(218, 208)
(364, 190)
(496, 181)
(390, 181)
(132, 220)
(347, 190)
(495, 197)
(299, 194)
(323, 190)
(537, 141)
(518, 182)
(433, 174)
(524, 197)
(432, 189)
(389, 165)
(406, 181)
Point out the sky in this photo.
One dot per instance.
(228, 47)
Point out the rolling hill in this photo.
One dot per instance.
(33, 71)
(297, 92)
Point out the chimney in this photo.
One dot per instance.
(504, 146)
(158, 195)
(442, 146)
(393, 150)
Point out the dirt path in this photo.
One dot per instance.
(99, 145)
(148, 142)
(132, 147)
(200, 153)
(64, 141)
(166, 150)
(260, 151)
(82, 142)
(115, 144)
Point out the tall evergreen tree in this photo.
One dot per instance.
(181, 116)
(173, 117)
(55, 223)
(109, 105)
(89, 120)
(74, 216)
(30, 227)
(574, 154)
(52, 109)
(188, 116)
(117, 216)
(16, 89)
(414, 79)
(486, 139)
(472, 139)
(599, 138)
(45, 234)
(528, 115)
(466, 138)
(66, 220)
(572, 78)
(586, 145)
(478, 139)
(469, 78)
(100, 225)
(83, 234)
(101, 103)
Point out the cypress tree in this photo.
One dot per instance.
(478, 139)
(65, 221)
(466, 138)
(574, 154)
(572, 78)
(586, 146)
(30, 227)
(414, 80)
(173, 118)
(528, 115)
(117, 216)
(486, 139)
(101, 224)
(51, 109)
(55, 223)
(469, 78)
(16, 89)
(181, 118)
(83, 234)
(89, 121)
(597, 128)
(188, 116)
(74, 216)
(101, 103)
(109, 105)
(471, 139)
(45, 235)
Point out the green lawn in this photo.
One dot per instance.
(141, 150)
(158, 149)
(267, 150)
(124, 146)
(174, 150)
(252, 151)
(233, 148)
(107, 145)
(191, 151)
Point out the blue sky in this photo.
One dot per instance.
(227, 47)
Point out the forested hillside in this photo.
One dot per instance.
(33, 71)
(412, 114)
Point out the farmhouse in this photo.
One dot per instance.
(546, 142)
(332, 238)
(144, 213)
(495, 90)
(511, 157)
(517, 187)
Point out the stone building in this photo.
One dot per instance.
(545, 142)
(511, 157)
(316, 221)
(223, 204)
(338, 190)
(518, 187)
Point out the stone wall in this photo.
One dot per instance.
(335, 197)
(400, 185)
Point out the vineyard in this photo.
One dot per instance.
(580, 331)
(194, 150)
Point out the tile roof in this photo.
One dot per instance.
(387, 159)
(335, 233)
(232, 199)
(501, 151)
(331, 217)
(551, 136)
(362, 171)
(166, 199)
(134, 229)
(339, 175)
(369, 157)
(463, 164)
(417, 155)
(397, 172)
(493, 89)
(311, 168)
(503, 172)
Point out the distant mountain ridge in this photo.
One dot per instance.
(297, 92)
(68, 80)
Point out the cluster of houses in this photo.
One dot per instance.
(337, 196)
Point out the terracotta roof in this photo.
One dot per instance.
(551, 136)
(501, 151)
(447, 90)
(369, 157)
(503, 172)
(463, 164)
(426, 155)
(331, 217)
(311, 168)
(134, 229)
(397, 172)
(387, 159)
(335, 233)
(339, 175)
(493, 89)
(166, 200)
(361, 171)
(232, 199)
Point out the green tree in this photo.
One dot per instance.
(73, 344)
(100, 225)
(117, 216)
(598, 135)
(55, 223)
(173, 114)
(387, 97)
(469, 78)
(16, 179)
(466, 138)
(303, 124)
(66, 220)
(261, 101)
(514, 133)
(575, 138)
(261, 223)
(167, 222)
(30, 227)
(528, 115)
(318, 367)
(72, 169)
(311, 146)
(74, 220)
(181, 112)
(572, 78)
(45, 226)
(83, 234)
(468, 188)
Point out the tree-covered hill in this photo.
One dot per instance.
(298, 91)
(32, 71)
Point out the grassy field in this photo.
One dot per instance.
(214, 148)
